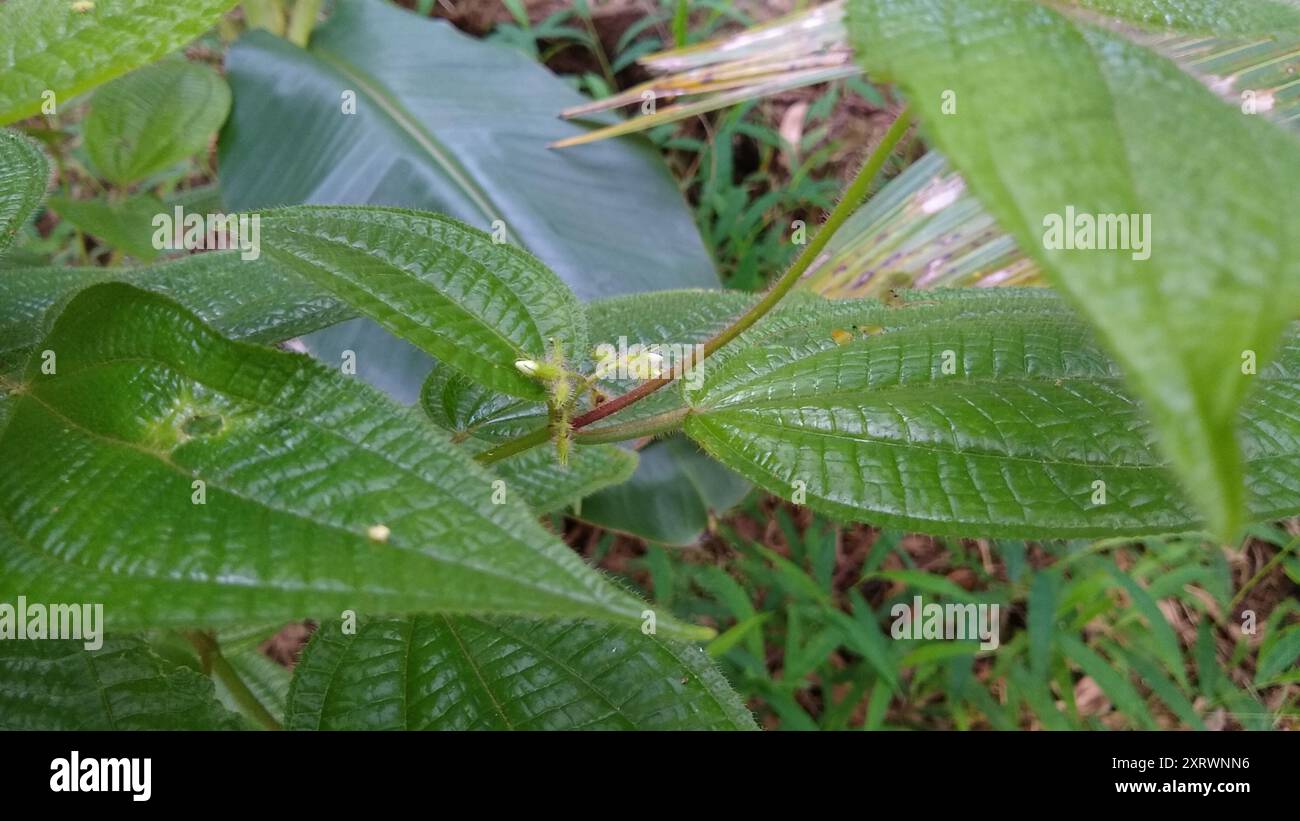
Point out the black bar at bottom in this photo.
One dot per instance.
(211, 770)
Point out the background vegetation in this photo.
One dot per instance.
(1096, 634)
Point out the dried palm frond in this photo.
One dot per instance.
(790, 52)
(923, 229)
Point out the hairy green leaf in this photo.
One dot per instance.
(1054, 120)
(675, 487)
(458, 404)
(476, 416)
(670, 322)
(547, 486)
(1222, 17)
(60, 685)
(126, 225)
(266, 679)
(55, 48)
(183, 479)
(476, 305)
(24, 174)
(258, 300)
(463, 672)
(968, 412)
(154, 118)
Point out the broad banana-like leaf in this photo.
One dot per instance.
(670, 498)
(447, 123)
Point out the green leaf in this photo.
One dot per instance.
(1040, 620)
(1165, 642)
(24, 174)
(664, 317)
(1222, 17)
(1163, 686)
(1125, 132)
(1279, 655)
(1010, 443)
(673, 321)
(126, 225)
(53, 47)
(154, 118)
(462, 672)
(59, 685)
(457, 126)
(476, 417)
(320, 495)
(265, 678)
(458, 404)
(1114, 683)
(676, 487)
(258, 300)
(547, 486)
(475, 305)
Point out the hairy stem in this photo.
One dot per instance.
(215, 664)
(650, 426)
(853, 196)
(513, 446)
